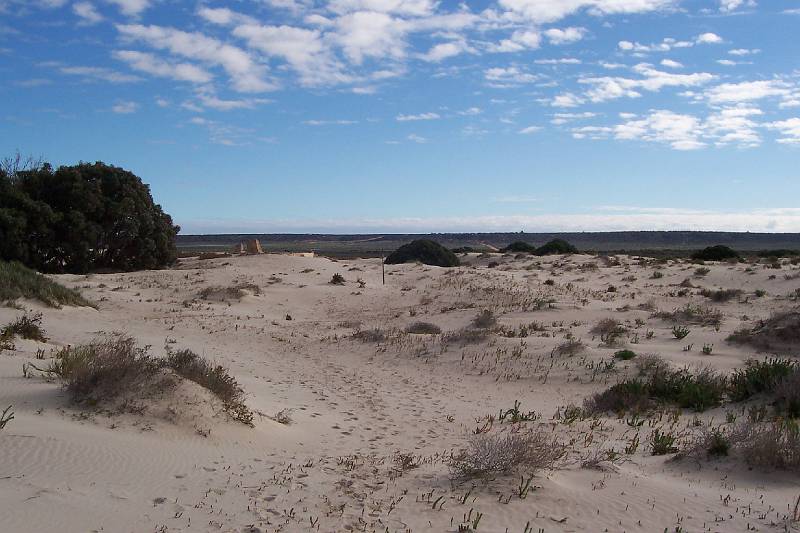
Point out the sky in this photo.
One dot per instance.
(359, 116)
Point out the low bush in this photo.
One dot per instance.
(662, 443)
(423, 328)
(423, 251)
(609, 330)
(370, 335)
(759, 377)
(466, 336)
(774, 444)
(556, 247)
(715, 253)
(569, 347)
(721, 295)
(484, 320)
(18, 281)
(625, 355)
(26, 326)
(787, 395)
(692, 314)
(493, 454)
(337, 279)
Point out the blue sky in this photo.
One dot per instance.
(415, 115)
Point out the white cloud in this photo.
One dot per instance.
(518, 41)
(668, 44)
(565, 36)
(567, 100)
(733, 5)
(669, 63)
(150, 64)
(417, 138)
(131, 8)
(470, 112)
(505, 77)
(99, 74)
(744, 51)
(560, 61)
(747, 91)
(709, 38)
(329, 122)
(125, 108)
(87, 12)
(564, 118)
(543, 11)
(653, 80)
(420, 116)
(245, 73)
(442, 51)
(529, 130)
(789, 129)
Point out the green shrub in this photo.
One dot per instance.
(680, 332)
(662, 443)
(27, 327)
(556, 247)
(424, 251)
(625, 355)
(19, 281)
(759, 377)
(721, 295)
(630, 395)
(715, 253)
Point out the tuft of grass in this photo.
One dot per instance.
(662, 443)
(224, 294)
(484, 320)
(721, 295)
(680, 332)
(692, 314)
(423, 328)
(489, 455)
(758, 377)
(19, 281)
(625, 355)
(609, 330)
(27, 327)
(370, 335)
(6, 416)
(337, 279)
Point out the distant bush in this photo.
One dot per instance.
(423, 328)
(19, 281)
(520, 247)
(781, 252)
(778, 333)
(715, 253)
(555, 247)
(81, 218)
(464, 250)
(337, 279)
(721, 295)
(424, 251)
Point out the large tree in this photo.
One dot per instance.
(83, 217)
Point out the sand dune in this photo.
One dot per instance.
(287, 335)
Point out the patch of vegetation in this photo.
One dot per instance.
(466, 336)
(370, 335)
(715, 253)
(779, 333)
(19, 281)
(569, 347)
(6, 416)
(423, 328)
(625, 355)
(721, 295)
(103, 370)
(484, 320)
(680, 332)
(337, 279)
(493, 454)
(424, 251)
(26, 326)
(224, 294)
(609, 330)
(662, 443)
(692, 314)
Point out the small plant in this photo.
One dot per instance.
(514, 415)
(718, 444)
(6, 416)
(707, 349)
(657, 275)
(701, 271)
(721, 295)
(625, 355)
(760, 293)
(423, 328)
(27, 327)
(760, 377)
(484, 320)
(680, 332)
(662, 443)
(609, 330)
(337, 279)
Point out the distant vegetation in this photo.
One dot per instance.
(18, 281)
(423, 251)
(553, 247)
(715, 253)
(81, 218)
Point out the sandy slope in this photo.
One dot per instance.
(355, 404)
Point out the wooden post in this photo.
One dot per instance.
(383, 268)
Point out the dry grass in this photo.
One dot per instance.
(721, 295)
(692, 314)
(224, 294)
(26, 326)
(780, 333)
(609, 330)
(423, 328)
(489, 455)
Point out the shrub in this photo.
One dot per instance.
(223, 294)
(773, 444)
(715, 253)
(490, 455)
(337, 279)
(569, 347)
(484, 320)
(466, 336)
(520, 247)
(721, 295)
(701, 271)
(680, 332)
(625, 355)
(423, 328)
(630, 395)
(692, 314)
(370, 335)
(609, 330)
(556, 247)
(787, 395)
(779, 333)
(760, 377)
(27, 327)
(18, 281)
(424, 251)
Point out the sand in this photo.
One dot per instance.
(355, 404)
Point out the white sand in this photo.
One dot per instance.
(355, 404)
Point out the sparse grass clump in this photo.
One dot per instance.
(18, 281)
(337, 279)
(692, 314)
(625, 355)
(484, 320)
(370, 335)
(6, 416)
(493, 454)
(609, 330)
(759, 377)
(26, 326)
(570, 347)
(224, 294)
(423, 328)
